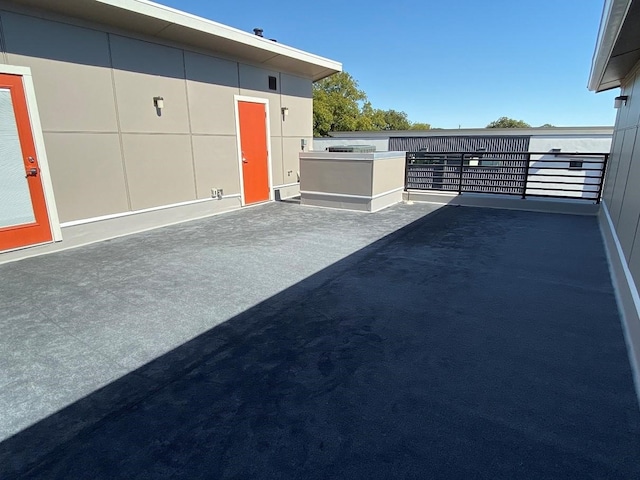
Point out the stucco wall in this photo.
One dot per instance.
(621, 192)
(108, 148)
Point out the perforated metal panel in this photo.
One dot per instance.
(460, 144)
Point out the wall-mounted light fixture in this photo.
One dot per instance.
(285, 112)
(556, 151)
(158, 102)
(620, 101)
(478, 155)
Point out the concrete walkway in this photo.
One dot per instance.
(464, 343)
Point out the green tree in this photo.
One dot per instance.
(506, 122)
(547, 125)
(336, 104)
(371, 118)
(339, 105)
(395, 120)
(420, 126)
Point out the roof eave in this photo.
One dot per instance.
(168, 24)
(613, 16)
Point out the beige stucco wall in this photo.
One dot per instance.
(108, 148)
(350, 177)
(388, 174)
(366, 182)
(621, 192)
(79, 158)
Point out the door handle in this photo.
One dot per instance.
(32, 172)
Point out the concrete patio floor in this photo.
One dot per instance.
(290, 342)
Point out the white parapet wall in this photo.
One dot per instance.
(365, 182)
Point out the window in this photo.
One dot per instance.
(273, 83)
(491, 163)
(575, 164)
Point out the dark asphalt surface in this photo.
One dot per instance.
(472, 343)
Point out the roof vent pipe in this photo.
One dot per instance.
(258, 32)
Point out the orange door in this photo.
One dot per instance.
(23, 212)
(253, 143)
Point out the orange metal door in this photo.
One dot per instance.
(253, 143)
(23, 212)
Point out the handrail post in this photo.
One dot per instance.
(526, 177)
(602, 173)
(460, 182)
(406, 171)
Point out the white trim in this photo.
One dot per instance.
(73, 223)
(286, 185)
(243, 98)
(239, 149)
(620, 253)
(38, 141)
(15, 70)
(341, 195)
(610, 235)
(348, 195)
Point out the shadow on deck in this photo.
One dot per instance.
(473, 343)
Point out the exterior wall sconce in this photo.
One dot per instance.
(474, 157)
(158, 102)
(285, 112)
(620, 101)
(556, 151)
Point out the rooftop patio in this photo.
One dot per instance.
(284, 341)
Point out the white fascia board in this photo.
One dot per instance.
(184, 19)
(613, 16)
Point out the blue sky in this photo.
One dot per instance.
(448, 63)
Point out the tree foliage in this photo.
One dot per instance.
(336, 104)
(339, 105)
(395, 120)
(506, 122)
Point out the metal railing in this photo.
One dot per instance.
(577, 176)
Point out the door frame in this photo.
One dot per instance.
(265, 101)
(41, 154)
